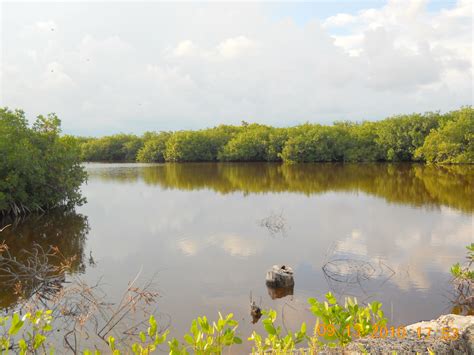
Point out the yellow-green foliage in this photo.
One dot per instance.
(453, 141)
(154, 148)
(31, 329)
(119, 147)
(341, 322)
(275, 341)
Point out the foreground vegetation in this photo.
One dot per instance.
(429, 137)
(336, 325)
(39, 169)
(463, 282)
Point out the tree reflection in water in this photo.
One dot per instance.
(39, 247)
(414, 184)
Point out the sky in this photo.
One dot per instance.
(109, 67)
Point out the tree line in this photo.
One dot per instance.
(41, 169)
(431, 137)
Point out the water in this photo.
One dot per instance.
(208, 232)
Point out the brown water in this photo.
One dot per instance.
(208, 233)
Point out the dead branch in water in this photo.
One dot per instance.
(43, 278)
(35, 273)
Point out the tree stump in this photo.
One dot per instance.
(280, 276)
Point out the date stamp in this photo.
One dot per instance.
(401, 332)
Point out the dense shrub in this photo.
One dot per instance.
(39, 169)
(315, 143)
(361, 144)
(154, 148)
(203, 145)
(400, 136)
(452, 142)
(250, 144)
(190, 146)
(119, 147)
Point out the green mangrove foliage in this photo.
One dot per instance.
(154, 147)
(400, 136)
(335, 325)
(430, 137)
(39, 169)
(119, 147)
(255, 143)
(452, 141)
(203, 145)
(315, 143)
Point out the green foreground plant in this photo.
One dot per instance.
(148, 341)
(463, 281)
(275, 341)
(206, 338)
(33, 329)
(341, 323)
(465, 272)
(335, 325)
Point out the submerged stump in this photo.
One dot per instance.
(280, 276)
(279, 292)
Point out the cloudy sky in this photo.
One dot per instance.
(109, 67)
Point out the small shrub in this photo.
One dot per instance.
(342, 322)
(275, 341)
(33, 328)
(463, 281)
(206, 338)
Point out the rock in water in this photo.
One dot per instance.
(280, 276)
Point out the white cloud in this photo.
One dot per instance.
(176, 66)
(236, 245)
(227, 49)
(339, 20)
(55, 78)
(231, 244)
(354, 244)
(188, 247)
(233, 47)
(46, 25)
(185, 48)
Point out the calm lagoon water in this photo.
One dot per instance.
(208, 232)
